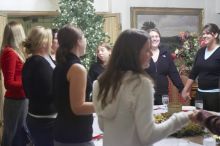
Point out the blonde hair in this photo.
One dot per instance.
(38, 37)
(14, 36)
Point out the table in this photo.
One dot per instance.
(170, 141)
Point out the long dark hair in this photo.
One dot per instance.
(212, 28)
(125, 57)
(67, 39)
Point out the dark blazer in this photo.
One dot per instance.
(163, 68)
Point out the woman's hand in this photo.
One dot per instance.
(194, 116)
(186, 95)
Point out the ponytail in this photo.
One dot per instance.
(68, 37)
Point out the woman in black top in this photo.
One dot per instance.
(161, 67)
(103, 53)
(55, 44)
(207, 69)
(74, 120)
(37, 81)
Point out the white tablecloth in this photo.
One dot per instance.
(164, 142)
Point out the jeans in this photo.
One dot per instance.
(41, 130)
(15, 132)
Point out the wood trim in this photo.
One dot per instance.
(29, 13)
(112, 29)
(165, 11)
(3, 21)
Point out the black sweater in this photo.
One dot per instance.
(95, 70)
(161, 69)
(37, 81)
(207, 71)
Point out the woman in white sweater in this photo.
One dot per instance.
(123, 96)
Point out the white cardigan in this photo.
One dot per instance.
(128, 120)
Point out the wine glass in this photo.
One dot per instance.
(165, 101)
(199, 104)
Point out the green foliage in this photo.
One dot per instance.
(191, 129)
(187, 52)
(82, 14)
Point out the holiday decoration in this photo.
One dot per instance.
(81, 13)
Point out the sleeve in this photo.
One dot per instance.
(43, 79)
(209, 120)
(96, 102)
(174, 75)
(100, 121)
(195, 71)
(92, 75)
(90, 79)
(88, 89)
(213, 124)
(148, 131)
(8, 68)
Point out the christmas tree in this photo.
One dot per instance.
(82, 14)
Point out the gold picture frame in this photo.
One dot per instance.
(170, 21)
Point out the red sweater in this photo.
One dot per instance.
(12, 69)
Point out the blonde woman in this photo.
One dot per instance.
(37, 81)
(15, 103)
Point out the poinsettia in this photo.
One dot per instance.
(185, 54)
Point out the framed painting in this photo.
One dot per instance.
(170, 21)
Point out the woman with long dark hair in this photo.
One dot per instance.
(206, 68)
(74, 121)
(123, 96)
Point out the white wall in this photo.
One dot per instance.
(217, 6)
(211, 7)
(123, 7)
(29, 5)
(211, 15)
(102, 5)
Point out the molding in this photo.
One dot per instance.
(29, 13)
(134, 11)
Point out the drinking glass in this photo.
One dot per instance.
(165, 101)
(199, 104)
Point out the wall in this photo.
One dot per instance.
(123, 7)
(211, 7)
(29, 5)
(102, 5)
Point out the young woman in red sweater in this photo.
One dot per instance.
(15, 103)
